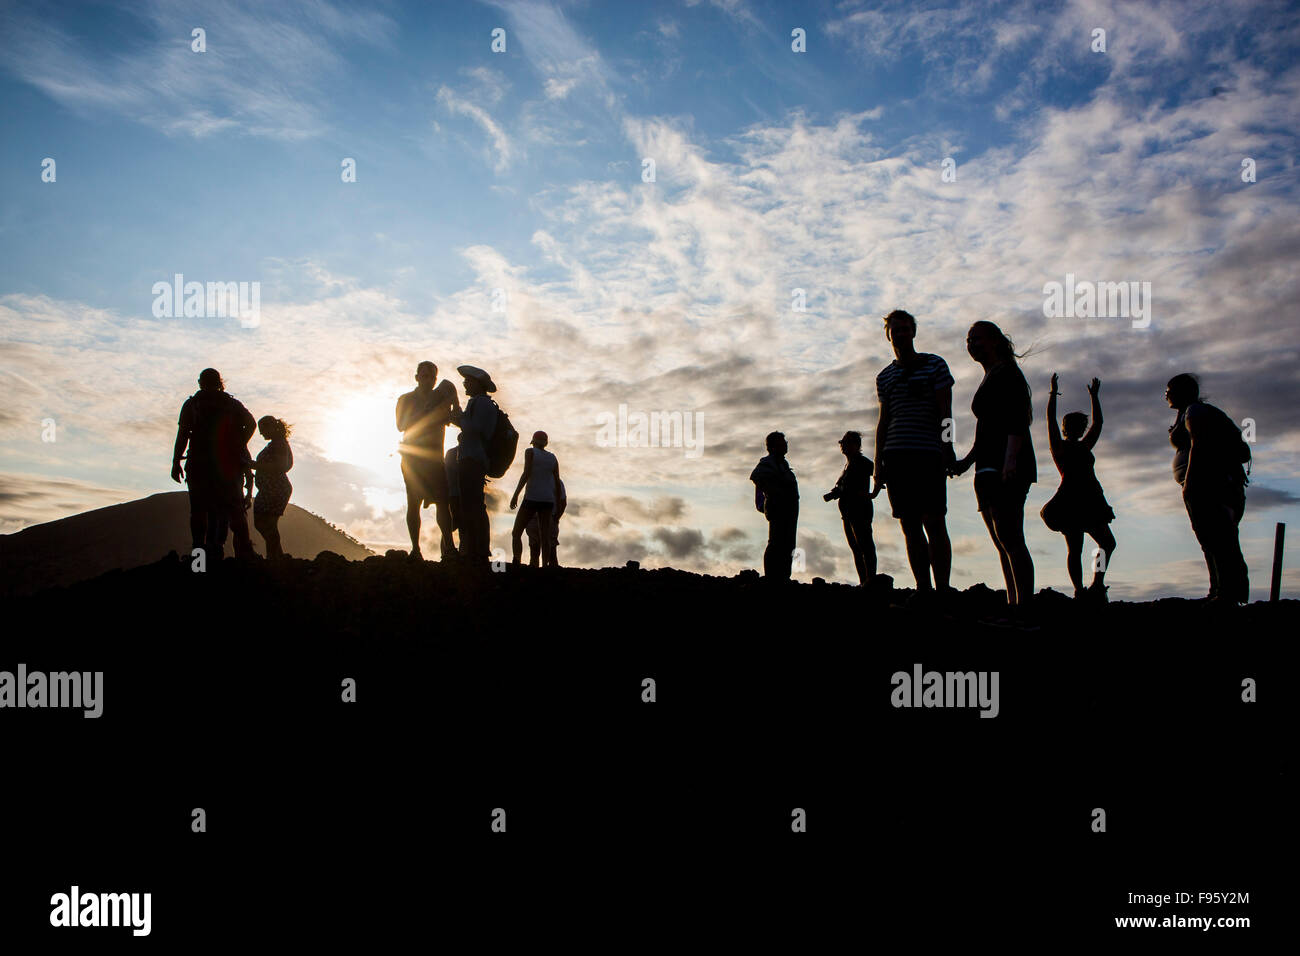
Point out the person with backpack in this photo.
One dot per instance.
(1079, 506)
(214, 428)
(541, 477)
(853, 492)
(485, 448)
(1209, 453)
(776, 495)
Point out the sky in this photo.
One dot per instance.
(614, 208)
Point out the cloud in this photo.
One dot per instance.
(263, 72)
(500, 142)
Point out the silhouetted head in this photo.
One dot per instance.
(426, 373)
(851, 443)
(1073, 425)
(477, 381)
(272, 427)
(1183, 390)
(210, 378)
(776, 444)
(900, 328)
(987, 344)
(540, 439)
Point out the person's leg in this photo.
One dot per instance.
(544, 533)
(446, 526)
(854, 549)
(1003, 559)
(1106, 541)
(918, 550)
(268, 526)
(1009, 523)
(198, 522)
(1217, 528)
(534, 549)
(473, 513)
(522, 517)
(413, 502)
(1074, 558)
(939, 550)
(786, 527)
(866, 543)
(1203, 526)
(239, 531)
(769, 553)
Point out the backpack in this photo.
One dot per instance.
(1234, 445)
(501, 447)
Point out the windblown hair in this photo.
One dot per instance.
(276, 427)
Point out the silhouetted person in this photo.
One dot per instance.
(541, 478)
(914, 450)
(450, 461)
(422, 416)
(1003, 454)
(1208, 457)
(1079, 506)
(477, 423)
(215, 427)
(853, 491)
(534, 531)
(273, 487)
(777, 495)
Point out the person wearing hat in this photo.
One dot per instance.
(541, 477)
(853, 491)
(477, 423)
(422, 417)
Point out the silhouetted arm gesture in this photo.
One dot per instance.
(1094, 430)
(1053, 427)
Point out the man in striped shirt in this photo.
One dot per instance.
(914, 449)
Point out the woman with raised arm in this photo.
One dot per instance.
(1079, 506)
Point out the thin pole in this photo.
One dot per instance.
(1277, 561)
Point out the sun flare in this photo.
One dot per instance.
(362, 432)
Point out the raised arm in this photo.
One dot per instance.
(1054, 427)
(1094, 430)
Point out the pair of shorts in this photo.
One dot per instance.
(425, 475)
(994, 494)
(545, 507)
(916, 483)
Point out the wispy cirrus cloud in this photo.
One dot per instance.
(262, 72)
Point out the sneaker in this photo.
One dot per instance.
(1097, 593)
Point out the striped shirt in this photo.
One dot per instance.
(909, 392)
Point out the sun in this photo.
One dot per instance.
(362, 432)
